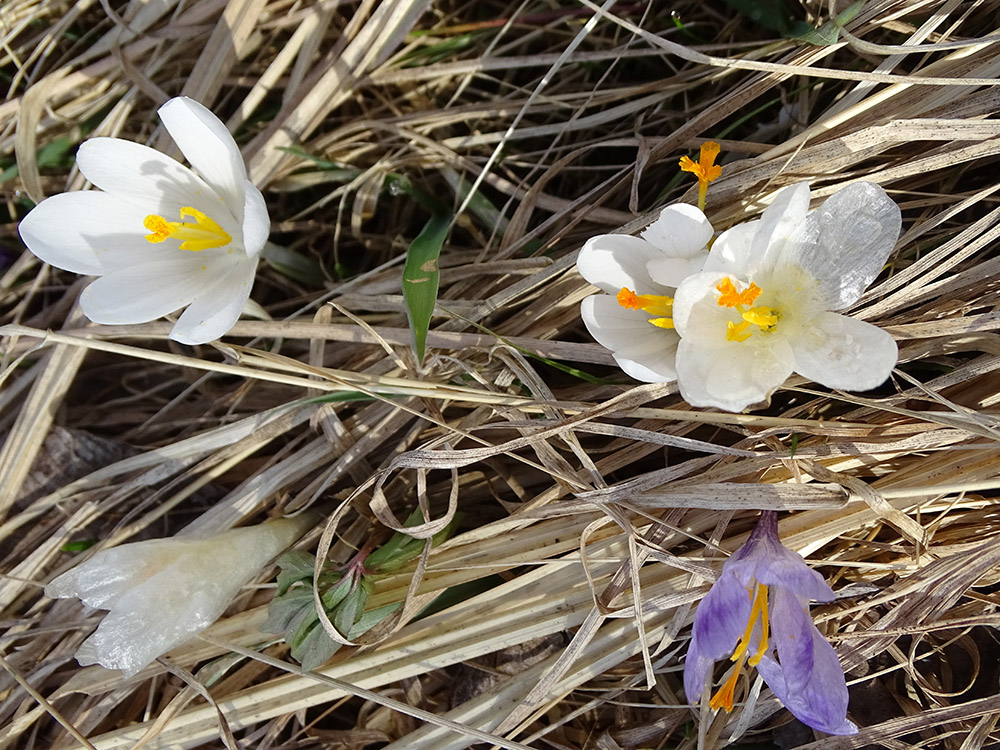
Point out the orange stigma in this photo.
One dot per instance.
(705, 169)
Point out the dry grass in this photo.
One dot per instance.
(593, 511)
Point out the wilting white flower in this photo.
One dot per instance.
(761, 308)
(163, 591)
(159, 235)
(637, 275)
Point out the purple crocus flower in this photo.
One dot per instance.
(736, 618)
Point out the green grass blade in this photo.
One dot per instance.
(421, 276)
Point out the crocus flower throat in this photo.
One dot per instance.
(660, 305)
(723, 697)
(765, 318)
(203, 234)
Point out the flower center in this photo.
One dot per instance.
(202, 234)
(659, 305)
(765, 318)
(758, 611)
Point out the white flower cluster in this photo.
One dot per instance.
(731, 324)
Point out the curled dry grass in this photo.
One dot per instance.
(594, 510)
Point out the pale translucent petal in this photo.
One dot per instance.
(184, 592)
(845, 353)
(615, 261)
(69, 229)
(780, 225)
(681, 231)
(731, 250)
(846, 242)
(102, 579)
(144, 177)
(670, 272)
(256, 222)
(145, 292)
(731, 377)
(217, 309)
(209, 147)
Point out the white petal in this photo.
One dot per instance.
(734, 376)
(845, 353)
(109, 573)
(144, 177)
(658, 367)
(670, 272)
(67, 230)
(143, 292)
(681, 231)
(209, 147)
(697, 314)
(731, 250)
(780, 225)
(846, 241)
(256, 222)
(217, 308)
(615, 261)
(612, 325)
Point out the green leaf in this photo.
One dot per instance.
(371, 618)
(286, 613)
(295, 565)
(829, 32)
(294, 265)
(78, 546)
(315, 649)
(350, 610)
(421, 277)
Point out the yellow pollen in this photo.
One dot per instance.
(202, 234)
(762, 317)
(723, 697)
(737, 331)
(705, 170)
(659, 305)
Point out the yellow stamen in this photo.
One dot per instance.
(762, 317)
(705, 170)
(723, 697)
(737, 331)
(659, 305)
(203, 234)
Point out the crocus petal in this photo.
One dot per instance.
(671, 272)
(842, 352)
(217, 309)
(731, 377)
(696, 313)
(69, 229)
(791, 628)
(616, 327)
(845, 242)
(144, 177)
(175, 589)
(779, 227)
(718, 624)
(657, 367)
(209, 147)
(681, 231)
(821, 702)
(141, 293)
(256, 222)
(615, 261)
(730, 253)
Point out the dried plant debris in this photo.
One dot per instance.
(513, 534)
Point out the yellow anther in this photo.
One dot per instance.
(762, 317)
(737, 331)
(723, 698)
(203, 234)
(705, 170)
(659, 305)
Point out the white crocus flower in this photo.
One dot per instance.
(159, 235)
(637, 275)
(761, 308)
(162, 592)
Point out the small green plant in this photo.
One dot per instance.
(344, 592)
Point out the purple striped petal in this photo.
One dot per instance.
(718, 624)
